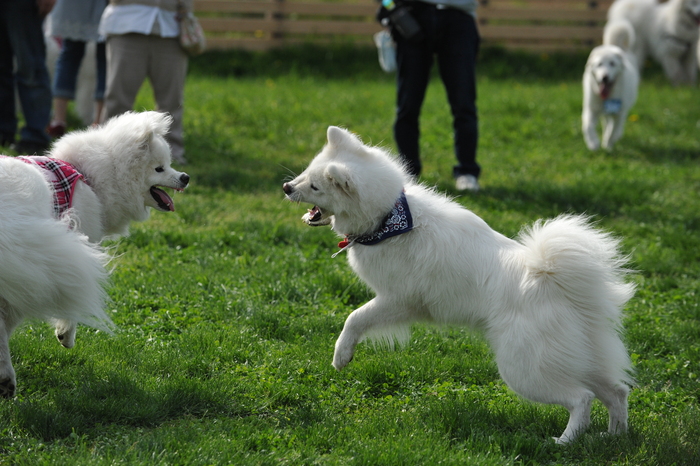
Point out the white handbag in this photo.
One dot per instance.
(192, 37)
(386, 49)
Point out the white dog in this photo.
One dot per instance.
(50, 268)
(610, 84)
(549, 304)
(666, 31)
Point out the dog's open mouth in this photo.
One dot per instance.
(605, 88)
(314, 217)
(164, 201)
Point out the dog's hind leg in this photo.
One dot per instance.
(614, 397)
(65, 332)
(8, 380)
(579, 416)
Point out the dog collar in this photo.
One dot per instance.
(397, 222)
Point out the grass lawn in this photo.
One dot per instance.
(228, 309)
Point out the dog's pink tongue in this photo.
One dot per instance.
(164, 201)
(605, 90)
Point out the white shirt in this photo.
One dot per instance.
(125, 19)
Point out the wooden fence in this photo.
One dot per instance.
(537, 25)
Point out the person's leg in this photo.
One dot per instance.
(167, 71)
(67, 67)
(101, 81)
(413, 64)
(456, 51)
(8, 117)
(64, 83)
(32, 77)
(127, 58)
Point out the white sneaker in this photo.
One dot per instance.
(467, 183)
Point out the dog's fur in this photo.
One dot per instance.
(610, 75)
(52, 269)
(668, 32)
(550, 303)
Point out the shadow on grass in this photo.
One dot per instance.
(526, 430)
(662, 154)
(600, 199)
(116, 399)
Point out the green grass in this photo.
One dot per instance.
(229, 308)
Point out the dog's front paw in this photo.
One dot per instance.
(342, 356)
(65, 332)
(593, 145)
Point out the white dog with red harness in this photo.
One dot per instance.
(55, 210)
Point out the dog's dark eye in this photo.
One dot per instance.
(314, 187)
(160, 169)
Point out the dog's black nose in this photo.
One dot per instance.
(185, 179)
(287, 188)
(605, 79)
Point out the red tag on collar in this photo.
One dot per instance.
(343, 244)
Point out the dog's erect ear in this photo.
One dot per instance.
(145, 139)
(338, 137)
(340, 176)
(154, 123)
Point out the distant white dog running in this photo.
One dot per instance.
(549, 303)
(56, 209)
(610, 86)
(667, 31)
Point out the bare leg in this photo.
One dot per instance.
(60, 110)
(99, 105)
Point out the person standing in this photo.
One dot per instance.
(22, 45)
(75, 22)
(142, 42)
(447, 32)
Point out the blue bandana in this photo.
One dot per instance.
(397, 222)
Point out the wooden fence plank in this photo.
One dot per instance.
(545, 25)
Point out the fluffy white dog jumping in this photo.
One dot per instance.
(610, 86)
(56, 209)
(668, 32)
(549, 304)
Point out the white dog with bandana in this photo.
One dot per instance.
(610, 86)
(549, 303)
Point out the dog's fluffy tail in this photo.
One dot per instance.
(568, 257)
(584, 261)
(619, 32)
(47, 270)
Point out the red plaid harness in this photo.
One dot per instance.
(63, 178)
